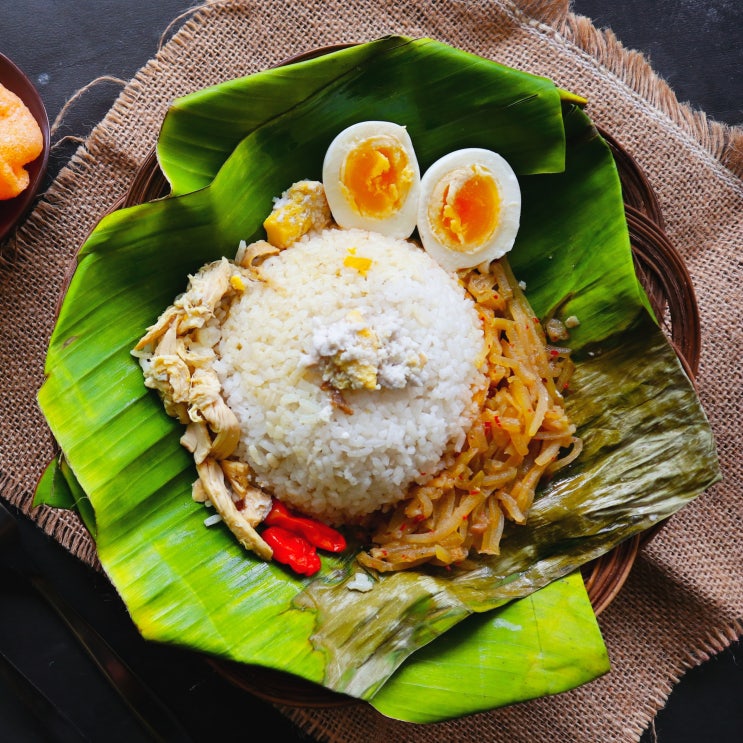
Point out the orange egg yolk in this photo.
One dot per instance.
(465, 209)
(376, 177)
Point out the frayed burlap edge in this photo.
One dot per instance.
(723, 142)
(65, 527)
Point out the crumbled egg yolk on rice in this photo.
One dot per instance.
(354, 365)
(237, 283)
(352, 355)
(299, 210)
(361, 264)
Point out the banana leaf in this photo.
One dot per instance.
(59, 488)
(544, 643)
(52, 490)
(202, 129)
(630, 397)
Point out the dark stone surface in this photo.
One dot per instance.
(62, 45)
(694, 45)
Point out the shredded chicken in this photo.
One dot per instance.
(212, 481)
(175, 355)
(248, 256)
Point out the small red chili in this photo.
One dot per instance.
(292, 550)
(316, 533)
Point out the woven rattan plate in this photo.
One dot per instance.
(664, 276)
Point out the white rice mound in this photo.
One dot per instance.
(327, 463)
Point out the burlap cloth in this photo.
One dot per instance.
(684, 599)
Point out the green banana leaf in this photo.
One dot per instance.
(544, 643)
(630, 396)
(202, 129)
(52, 490)
(59, 488)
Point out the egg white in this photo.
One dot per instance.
(347, 209)
(442, 179)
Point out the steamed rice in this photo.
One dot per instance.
(329, 463)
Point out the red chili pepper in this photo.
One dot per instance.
(292, 550)
(320, 535)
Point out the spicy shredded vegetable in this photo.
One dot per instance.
(521, 434)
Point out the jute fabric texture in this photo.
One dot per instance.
(684, 598)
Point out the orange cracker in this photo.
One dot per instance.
(21, 142)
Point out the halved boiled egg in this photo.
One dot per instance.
(372, 179)
(470, 208)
